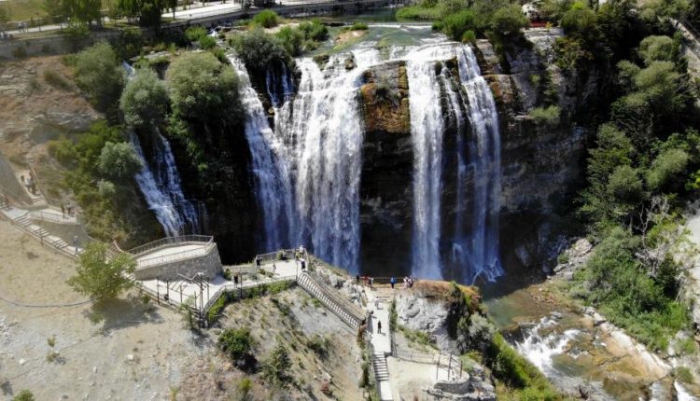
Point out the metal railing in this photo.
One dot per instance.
(53, 217)
(173, 257)
(169, 241)
(242, 287)
(354, 314)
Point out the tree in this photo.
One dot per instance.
(656, 48)
(100, 278)
(55, 9)
(508, 21)
(238, 345)
(625, 186)
(148, 11)
(83, 11)
(455, 25)
(277, 365)
(667, 169)
(144, 101)
(100, 76)
(201, 87)
(258, 50)
(118, 160)
(4, 15)
(266, 19)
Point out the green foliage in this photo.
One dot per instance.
(656, 48)
(508, 21)
(202, 88)
(82, 11)
(195, 33)
(144, 101)
(625, 185)
(237, 344)
(118, 160)
(24, 395)
(683, 374)
(258, 50)
(292, 40)
(276, 367)
(667, 169)
(99, 74)
(456, 25)
(216, 309)
(148, 11)
(418, 13)
(207, 42)
(546, 116)
(512, 368)
(100, 278)
(266, 19)
(106, 188)
(357, 26)
(314, 30)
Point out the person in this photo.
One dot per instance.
(371, 282)
(75, 244)
(392, 281)
(235, 279)
(63, 211)
(379, 326)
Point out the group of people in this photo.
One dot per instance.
(67, 209)
(369, 281)
(29, 183)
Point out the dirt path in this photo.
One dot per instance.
(138, 352)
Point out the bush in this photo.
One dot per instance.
(144, 101)
(275, 369)
(319, 345)
(119, 160)
(683, 374)
(56, 80)
(238, 345)
(266, 19)
(100, 278)
(508, 21)
(195, 33)
(548, 116)
(291, 39)
(357, 26)
(258, 50)
(202, 87)
(100, 75)
(668, 168)
(207, 42)
(625, 184)
(24, 395)
(106, 188)
(314, 30)
(456, 25)
(656, 48)
(418, 13)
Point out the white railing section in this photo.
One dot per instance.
(170, 241)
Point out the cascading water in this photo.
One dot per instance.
(481, 257)
(323, 130)
(312, 161)
(162, 189)
(161, 186)
(273, 188)
(427, 129)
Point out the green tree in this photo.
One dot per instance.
(455, 25)
(546, 116)
(276, 367)
(148, 11)
(625, 186)
(118, 160)
(144, 101)
(238, 345)
(55, 9)
(100, 278)
(201, 87)
(291, 39)
(4, 15)
(83, 11)
(668, 168)
(508, 21)
(656, 48)
(266, 19)
(101, 77)
(258, 50)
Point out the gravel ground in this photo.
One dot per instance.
(137, 352)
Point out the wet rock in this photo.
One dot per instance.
(472, 388)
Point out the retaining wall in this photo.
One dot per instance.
(209, 264)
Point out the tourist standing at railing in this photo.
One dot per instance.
(392, 281)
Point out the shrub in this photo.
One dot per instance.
(207, 42)
(314, 30)
(99, 74)
(195, 33)
(418, 13)
(656, 48)
(258, 50)
(319, 345)
(24, 395)
(508, 21)
(238, 345)
(106, 188)
(625, 184)
(669, 166)
(202, 87)
(546, 116)
(144, 101)
(275, 369)
(56, 80)
(291, 39)
(357, 26)
(119, 160)
(456, 25)
(683, 374)
(266, 19)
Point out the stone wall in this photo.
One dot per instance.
(209, 264)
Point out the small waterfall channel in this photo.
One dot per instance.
(160, 183)
(307, 168)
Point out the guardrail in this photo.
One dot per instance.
(53, 217)
(452, 363)
(168, 241)
(242, 287)
(347, 311)
(173, 257)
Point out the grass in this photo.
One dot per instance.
(56, 80)
(25, 10)
(418, 13)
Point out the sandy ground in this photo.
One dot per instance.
(137, 352)
(410, 378)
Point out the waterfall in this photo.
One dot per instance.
(161, 185)
(273, 190)
(323, 131)
(427, 129)
(161, 188)
(483, 246)
(277, 84)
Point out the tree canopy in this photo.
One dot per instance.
(201, 87)
(100, 278)
(100, 75)
(118, 160)
(144, 101)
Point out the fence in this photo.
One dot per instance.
(174, 257)
(240, 288)
(165, 242)
(452, 363)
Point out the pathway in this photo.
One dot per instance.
(379, 303)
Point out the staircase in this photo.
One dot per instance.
(346, 311)
(381, 369)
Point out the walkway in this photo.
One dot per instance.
(380, 303)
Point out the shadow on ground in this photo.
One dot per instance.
(124, 312)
